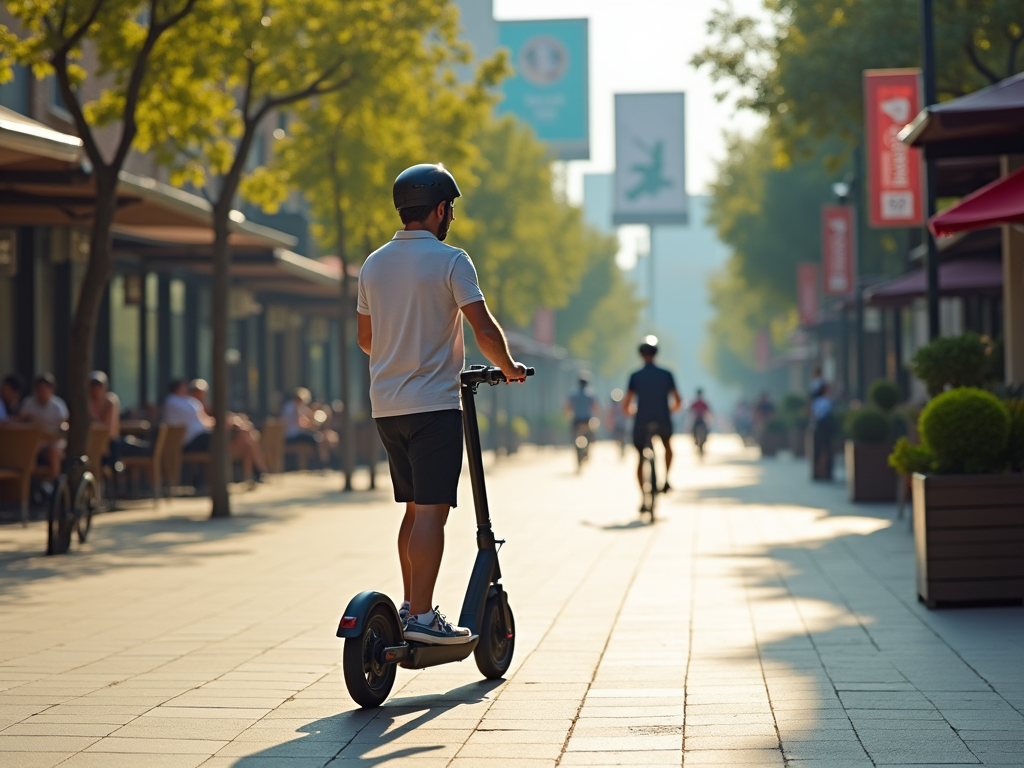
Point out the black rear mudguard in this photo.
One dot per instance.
(359, 608)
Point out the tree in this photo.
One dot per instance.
(528, 243)
(128, 38)
(599, 322)
(767, 209)
(806, 72)
(345, 149)
(255, 58)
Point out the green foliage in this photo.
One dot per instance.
(884, 394)
(954, 361)
(907, 458)
(794, 403)
(869, 425)
(599, 322)
(520, 428)
(776, 425)
(967, 430)
(806, 72)
(1015, 443)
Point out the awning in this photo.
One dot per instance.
(1001, 202)
(986, 122)
(26, 145)
(956, 278)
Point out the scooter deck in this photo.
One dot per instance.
(420, 656)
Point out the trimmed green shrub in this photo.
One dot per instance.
(794, 403)
(776, 426)
(884, 394)
(869, 425)
(967, 430)
(955, 361)
(1015, 444)
(907, 458)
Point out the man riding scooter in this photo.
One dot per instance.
(413, 294)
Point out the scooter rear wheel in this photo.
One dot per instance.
(493, 653)
(368, 677)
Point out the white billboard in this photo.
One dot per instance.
(650, 158)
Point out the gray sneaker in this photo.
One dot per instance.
(439, 632)
(403, 616)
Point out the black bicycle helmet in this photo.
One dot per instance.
(424, 185)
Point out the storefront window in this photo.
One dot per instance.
(124, 345)
(178, 329)
(152, 293)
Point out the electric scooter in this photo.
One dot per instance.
(374, 645)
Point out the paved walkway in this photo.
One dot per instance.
(762, 622)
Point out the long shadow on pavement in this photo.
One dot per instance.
(361, 738)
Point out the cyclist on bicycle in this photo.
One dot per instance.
(652, 388)
(582, 405)
(413, 294)
(700, 413)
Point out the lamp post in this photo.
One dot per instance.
(844, 190)
(931, 190)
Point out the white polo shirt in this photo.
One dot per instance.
(413, 289)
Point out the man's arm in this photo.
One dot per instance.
(674, 395)
(491, 340)
(364, 331)
(627, 403)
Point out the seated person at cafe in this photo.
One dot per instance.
(301, 427)
(11, 390)
(245, 439)
(184, 411)
(105, 409)
(48, 412)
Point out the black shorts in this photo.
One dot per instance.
(642, 439)
(425, 455)
(198, 444)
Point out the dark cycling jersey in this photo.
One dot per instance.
(652, 386)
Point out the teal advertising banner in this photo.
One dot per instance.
(550, 89)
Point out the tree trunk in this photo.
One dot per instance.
(220, 465)
(83, 327)
(348, 427)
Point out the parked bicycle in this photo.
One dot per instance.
(69, 513)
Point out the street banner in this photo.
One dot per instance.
(762, 351)
(837, 233)
(550, 88)
(807, 293)
(544, 326)
(891, 100)
(650, 159)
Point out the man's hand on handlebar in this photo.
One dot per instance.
(517, 372)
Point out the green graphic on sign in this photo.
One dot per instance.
(652, 174)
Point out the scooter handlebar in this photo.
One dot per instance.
(487, 374)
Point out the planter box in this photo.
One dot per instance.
(969, 538)
(868, 474)
(797, 442)
(773, 442)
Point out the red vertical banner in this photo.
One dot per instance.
(544, 326)
(891, 100)
(807, 293)
(762, 351)
(837, 233)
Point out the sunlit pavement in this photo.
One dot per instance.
(763, 621)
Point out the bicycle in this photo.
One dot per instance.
(69, 515)
(700, 436)
(649, 471)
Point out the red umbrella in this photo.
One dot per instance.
(1001, 202)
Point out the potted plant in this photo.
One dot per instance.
(794, 409)
(774, 436)
(871, 433)
(969, 506)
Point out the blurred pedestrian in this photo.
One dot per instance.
(823, 434)
(12, 388)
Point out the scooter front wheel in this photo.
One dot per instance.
(368, 677)
(493, 653)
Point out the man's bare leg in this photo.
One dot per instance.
(640, 470)
(426, 545)
(404, 534)
(667, 442)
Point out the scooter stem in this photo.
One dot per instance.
(484, 534)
